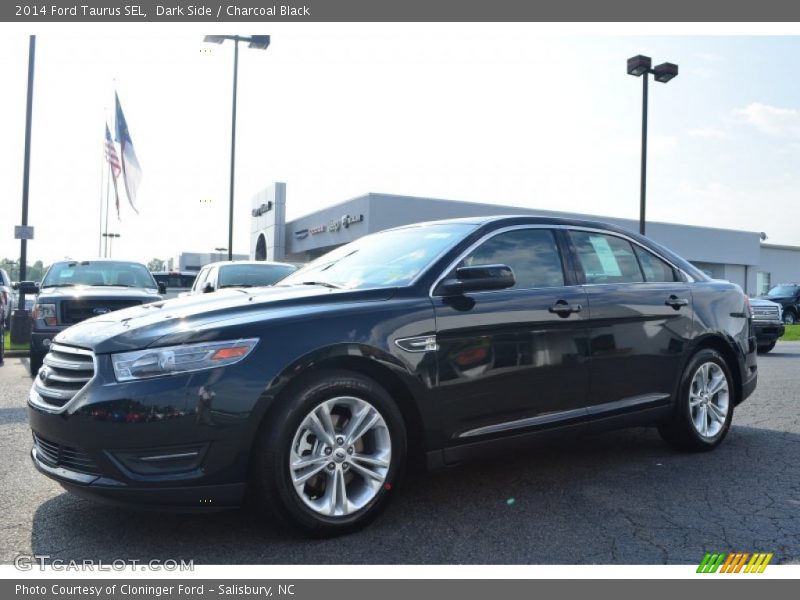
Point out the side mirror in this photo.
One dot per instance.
(162, 287)
(29, 288)
(478, 278)
(208, 288)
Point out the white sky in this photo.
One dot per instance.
(503, 113)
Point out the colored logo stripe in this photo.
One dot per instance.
(734, 562)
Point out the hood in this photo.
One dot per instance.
(761, 301)
(775, 299)
(99, 292)
(142, 326)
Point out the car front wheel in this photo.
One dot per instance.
(766, 348)
(35, 361)
(789, 318)
(331, 457)
(705, 404)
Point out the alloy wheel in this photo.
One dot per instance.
(340, 456)
(709, 399)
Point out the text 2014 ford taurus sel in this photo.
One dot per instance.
(443, 340)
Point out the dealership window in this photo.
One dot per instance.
(532, 255)
(606, 258)
(762, 283)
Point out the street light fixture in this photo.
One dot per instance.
(219, 251)
(110, 237)
(258, 42)
(637, 66)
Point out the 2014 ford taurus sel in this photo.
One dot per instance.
(441, 340)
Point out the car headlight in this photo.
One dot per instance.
(171, 360)
(46, 312)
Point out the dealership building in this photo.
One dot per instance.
(738, 256)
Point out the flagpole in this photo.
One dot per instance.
(108, 193)
(102, 173)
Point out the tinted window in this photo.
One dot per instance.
(531, 253)
(653, 267)
(783, 290)
(606, 258)
(252, 275)
(96, 273)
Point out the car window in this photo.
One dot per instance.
(99, 273)
(211, 278)
(653, 267)
(200, 281)
(532, 255)
(606, 258)
(252, 275)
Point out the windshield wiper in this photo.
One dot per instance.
(59, 285)
(326, 284)
(237, 285)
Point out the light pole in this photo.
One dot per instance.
(110, 237)
(259, 42)
(637, 66)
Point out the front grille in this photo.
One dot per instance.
(766, 313)
(64, 372)
(56, 455)
(75, 311)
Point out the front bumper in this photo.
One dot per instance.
(768, 332)
(178, 442)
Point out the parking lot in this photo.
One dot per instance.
(623, 497)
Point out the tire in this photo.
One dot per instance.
(766, 348)
(684, 430)
(35, 361)
(789, 318)
(308, 497)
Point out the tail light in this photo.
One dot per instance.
(748, 307)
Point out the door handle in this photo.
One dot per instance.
(676, 302)
(563, 309)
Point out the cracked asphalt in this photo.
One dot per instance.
(622, 497)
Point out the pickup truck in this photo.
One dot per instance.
(72, 291)
(788, 296)
(767, 323)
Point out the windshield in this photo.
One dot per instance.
(782, 290)
(252, 275)
(99, 273)
(386, 259)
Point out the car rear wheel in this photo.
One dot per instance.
(704, 410)
(331, 457)
(766, 348)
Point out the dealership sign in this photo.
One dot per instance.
(345, 222)
(264, 208)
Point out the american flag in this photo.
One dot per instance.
(111, 154)
(113, 163)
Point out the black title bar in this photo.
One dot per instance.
(400, 10)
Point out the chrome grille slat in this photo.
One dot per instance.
(65, 372)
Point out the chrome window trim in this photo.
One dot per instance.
(34, 396)
(567, 228)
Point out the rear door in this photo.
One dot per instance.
(640, 321)
(513, 360)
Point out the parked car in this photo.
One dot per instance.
(239, 273)
(72, 291)
(175, 282)
(6, 297)
(438, 342)
(767, 323)
(788, 296)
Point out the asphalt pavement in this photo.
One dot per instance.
(618, 498)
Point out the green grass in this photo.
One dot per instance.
(792, 334)
(9, 346)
